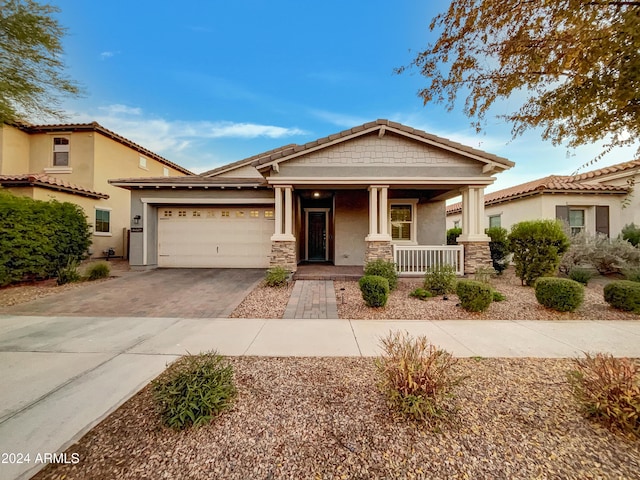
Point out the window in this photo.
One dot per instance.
(225, 213)
(182, 213)
(165, 171)
(456, 224)
(402, 222)
(60, 152)
(103, 221)
(268, 214)
(254, 214)
(239, 214)
(495, 221)
(142, 162)
(168, 213)
(196, 213)
(576, 221)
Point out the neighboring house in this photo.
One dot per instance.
(73, 163)
(345, 199)
(591, 202)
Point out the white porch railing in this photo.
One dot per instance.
(417, 259)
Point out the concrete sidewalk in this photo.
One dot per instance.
(63, 375)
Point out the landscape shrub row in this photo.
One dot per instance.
(39, 239)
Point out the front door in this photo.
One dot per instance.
(317, 236)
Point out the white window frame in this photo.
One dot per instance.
(580, 228)
(95, 213)
(413, 230)
(499, 217)
(56, 169)
(165, 172)
(142, 162)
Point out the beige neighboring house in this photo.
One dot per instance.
(377, 190)
(73, 163)
(591, 202)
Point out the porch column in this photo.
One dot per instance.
(384, 227)
(283, 244)
(373, 212)
(278, 214)
(475, 241)
(378, 240)
(288, 212)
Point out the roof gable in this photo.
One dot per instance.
(273, 158)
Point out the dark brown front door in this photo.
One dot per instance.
(317, 241)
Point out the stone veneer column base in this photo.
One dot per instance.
(378, 249)
(283, 254)
(476, 255)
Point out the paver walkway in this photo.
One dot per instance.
(312, 299)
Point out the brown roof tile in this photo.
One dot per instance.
(42, 180)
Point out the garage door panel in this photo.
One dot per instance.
(215, 237)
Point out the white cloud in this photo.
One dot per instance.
(107, 54)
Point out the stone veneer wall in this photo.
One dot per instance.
(283, 254)
(476, 255)
(378, 250)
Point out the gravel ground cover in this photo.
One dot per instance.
(264, 302)
(321, 418)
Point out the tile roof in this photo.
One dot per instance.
(282, 152)
(43, 180)
(191, 181)
(558, 183)
(96, 127)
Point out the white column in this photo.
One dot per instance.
(373, 211)
(473, 215)
(288, 212)
(278, 218)
(384, 227)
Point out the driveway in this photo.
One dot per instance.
(176, 293)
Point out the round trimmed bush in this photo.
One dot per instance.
(474, 296)
(580, 275)
(560, 294)
(375, 290)
(383, 268)
(623, 295)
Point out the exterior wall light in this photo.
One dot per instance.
(136, 219)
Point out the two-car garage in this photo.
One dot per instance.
(211, 236)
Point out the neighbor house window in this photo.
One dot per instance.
(576, 221)
(403, 221)
(165, 171)
(60, 152)
(495, 221)
(456, 224)
(142, 162)
(103, 221)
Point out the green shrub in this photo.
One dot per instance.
(98, 270)
(580, 275)
(416, 377)
(623, 295)
(194, 390)
(537, 247)
(474, 296)
(69, 273)
(440, 280)
(608, 391)
(632, 274)
(383, 268)
(604, 254)
(499, 247)
(375, 290)
(484, 274)
(38, 238)
(631, 233)
(498, 297)
(276, 276)
(452, 235)
(560, 294)
(421, 293)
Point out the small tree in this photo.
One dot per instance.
(631, 233)
(452, 235)
(537, 247)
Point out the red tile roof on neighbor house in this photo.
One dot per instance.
(96, 127)
(558, 184)
(45, 181)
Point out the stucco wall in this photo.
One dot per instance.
(14, 151)
(351, 226)
(544, 207)
(431, 223)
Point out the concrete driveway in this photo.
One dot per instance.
(180, 292)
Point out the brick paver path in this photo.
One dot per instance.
(312, 299)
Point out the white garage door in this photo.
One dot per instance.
(209, 237)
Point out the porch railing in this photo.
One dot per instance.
(417, 259)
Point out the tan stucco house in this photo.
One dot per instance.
(601, 201)
(374, 191)
(73, 163)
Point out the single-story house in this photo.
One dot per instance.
(600, 201)
(374, 191)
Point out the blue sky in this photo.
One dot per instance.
(205, 83)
